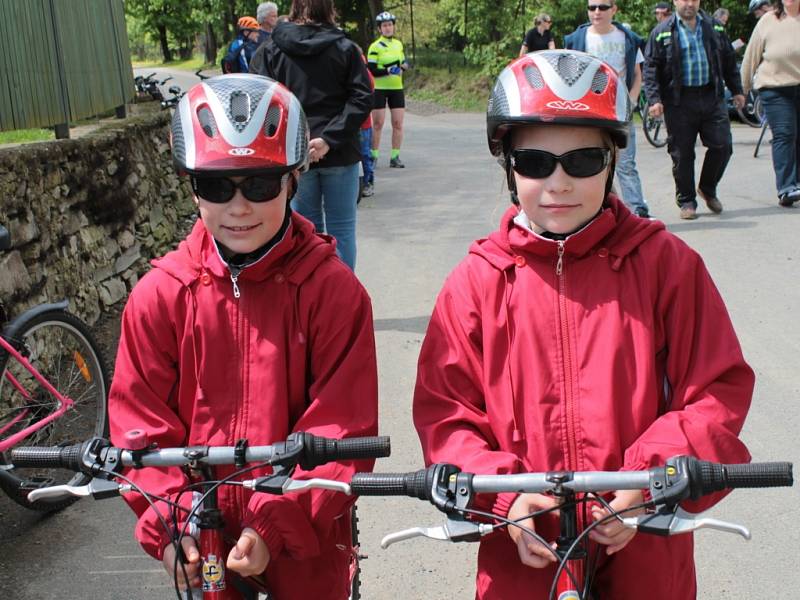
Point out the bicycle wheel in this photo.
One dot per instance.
(751, 113)
(355, 580)
(655, 130)
(61, 348)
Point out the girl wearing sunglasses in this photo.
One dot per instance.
(577, 336)
(253, 328)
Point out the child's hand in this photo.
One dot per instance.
(250, 555)
(531, 551)
(192, 568)
(612, 533)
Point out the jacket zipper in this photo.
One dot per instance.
(572, 445)
(234, 278)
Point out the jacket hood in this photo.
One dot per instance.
(297, 254)
(305, 40)
(614, 229)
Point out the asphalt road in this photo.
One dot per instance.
(410, 235)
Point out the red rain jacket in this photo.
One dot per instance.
(295, 352)
(615, 356)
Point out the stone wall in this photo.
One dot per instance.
(87, 214)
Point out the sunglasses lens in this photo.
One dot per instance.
(214, 189)
(584, 162)
(261, 188)
(535, 164)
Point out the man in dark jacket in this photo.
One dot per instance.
(315, 60)
(688, 62)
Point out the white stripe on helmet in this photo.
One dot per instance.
(188, 131)
(292, 131)
(558, 86)
(254, 125)
(511, 88)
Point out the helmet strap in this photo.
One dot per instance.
(510, 181)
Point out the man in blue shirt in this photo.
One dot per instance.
(688, 62)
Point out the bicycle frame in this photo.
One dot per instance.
(64, 403)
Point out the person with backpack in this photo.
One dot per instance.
(251, 329)
(242, 48)
(576, 337)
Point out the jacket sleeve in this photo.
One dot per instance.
(710, 384)
(358, 105)
(728, 62)
(145, 377)
(652, 66)
(342, 402)
(752, 58)
(450, 411)
(231, 63)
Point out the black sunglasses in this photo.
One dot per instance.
(538, 164)
(258, 188)
(600, 7)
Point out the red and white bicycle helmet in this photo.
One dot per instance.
(239, 124)
(557, 86)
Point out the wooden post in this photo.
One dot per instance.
(61, 129)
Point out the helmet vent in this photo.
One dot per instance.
(599, 82)
(272, 120)
(240, 107)
(534, 77)
(498, 102)
(568, 66)
(207, 122)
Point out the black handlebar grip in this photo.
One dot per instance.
(712, 477)
(54, 457)
(321, 450)
(391, 484)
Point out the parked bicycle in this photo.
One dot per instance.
(97, 458)
(681, 478)
(148, 85)
(655, 130)
(53, 390)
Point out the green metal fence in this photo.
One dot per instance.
(62, 61)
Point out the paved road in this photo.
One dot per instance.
(411, 233)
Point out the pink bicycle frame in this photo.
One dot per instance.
(64, 403)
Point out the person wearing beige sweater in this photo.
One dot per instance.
(771, 65)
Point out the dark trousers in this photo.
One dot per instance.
(700, 111)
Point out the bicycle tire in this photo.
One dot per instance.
(61, 347)
(655, 130)
(355, 583)
(752, 113)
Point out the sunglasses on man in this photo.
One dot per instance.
(538, 164)
(258, 188)
(600, 7)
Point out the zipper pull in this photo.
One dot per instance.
(560, 263)
(234, 278)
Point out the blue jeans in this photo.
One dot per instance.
(627, 175)
(782, 106)
(365, 136)
(327, 197)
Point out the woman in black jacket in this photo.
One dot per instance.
(311, 56)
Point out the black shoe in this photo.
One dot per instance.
(642, 211)
(787, 200)
(396, 164)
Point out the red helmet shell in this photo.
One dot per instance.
(239, 125)
(564, 87)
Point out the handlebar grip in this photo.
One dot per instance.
(712, 477)
(391, 484)
(320, 450)
(54, 457)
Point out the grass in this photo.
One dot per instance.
(192, 64)
(456, 87)
(22, 136)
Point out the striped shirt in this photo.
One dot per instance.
(694, 62)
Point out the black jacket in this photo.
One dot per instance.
(662, 61)
(325, 71)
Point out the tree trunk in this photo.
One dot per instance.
(211, 45)
(162, 38)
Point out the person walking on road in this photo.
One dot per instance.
(539, 36)
(772, 66)
(688, 62)
(313, 58)
(387, 61)
(618, 46)
(662, 11)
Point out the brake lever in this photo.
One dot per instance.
(453, 530)
(672, 522)
(97, 488)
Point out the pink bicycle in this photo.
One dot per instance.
(53, 391)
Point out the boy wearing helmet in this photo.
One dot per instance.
(242, 48)
(253, 328)
(576, 337)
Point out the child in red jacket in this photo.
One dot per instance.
(577, 337)
(253, 328)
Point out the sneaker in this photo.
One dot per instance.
(688, 212)
(642, 211)
(788, 200)
(369, 190)
(396, 164)
(712, 202)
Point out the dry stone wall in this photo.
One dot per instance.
(87, 214)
